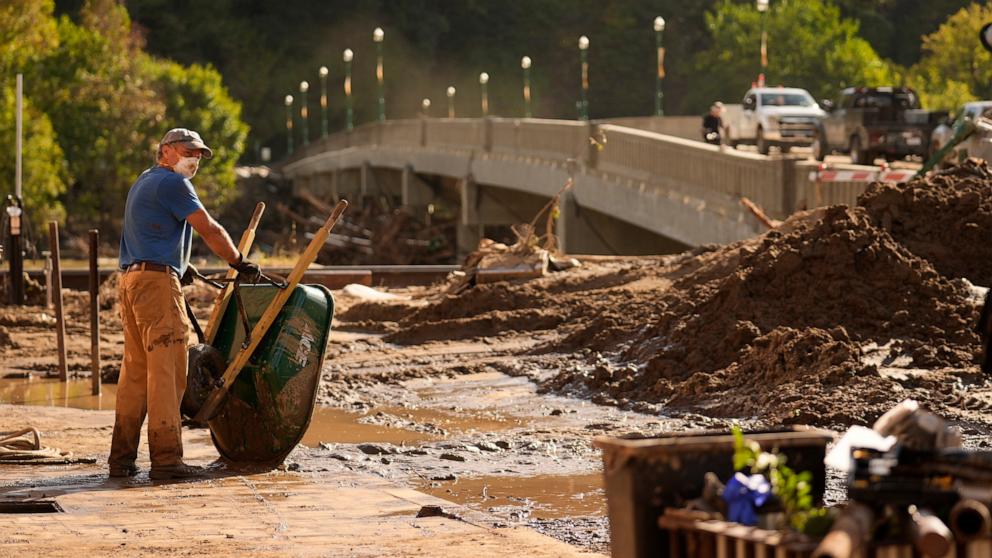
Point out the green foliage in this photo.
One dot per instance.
(106, 116)
(27, 31)
(44, 172)
(955, 68)
(792, 489)
(809, 46)
(196, 98)
(95, 108)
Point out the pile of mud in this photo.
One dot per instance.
(944, 218)
(774, 327)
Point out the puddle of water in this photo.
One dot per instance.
(548, 496)
(50, 392)
(337, 426)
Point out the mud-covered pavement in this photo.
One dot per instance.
(491, 396)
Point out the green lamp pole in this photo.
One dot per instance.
(289, 124)
(451, 101)
(425, 108)
(377, 36)
(304, 112)
(584, 99)
(348, 56)
(525, 63)
(484, 85)
(762, 6)
(659, 94)
(323, 101)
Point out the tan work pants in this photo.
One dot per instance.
(153, 373)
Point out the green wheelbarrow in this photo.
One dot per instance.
(268, 407)
(255, 384)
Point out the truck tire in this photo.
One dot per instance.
(860, 156)
(760, 142)
(819, 146)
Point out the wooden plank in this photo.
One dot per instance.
(53, 238)
(269, 316)
(220, 303)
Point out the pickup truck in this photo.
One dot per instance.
(868, 122)
(773, 116)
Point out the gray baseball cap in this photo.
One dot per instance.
(189, 137)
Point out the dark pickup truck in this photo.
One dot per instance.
(870, 122)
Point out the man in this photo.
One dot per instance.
(161, 211)
(713, 124)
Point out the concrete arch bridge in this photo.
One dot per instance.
(636, 191)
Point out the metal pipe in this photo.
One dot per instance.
(53, 237)
(849, 533)
(19, 119)
(929, 534)
(94, 312)
(970, 519)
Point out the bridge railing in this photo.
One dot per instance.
(676, 162)
(778, 185)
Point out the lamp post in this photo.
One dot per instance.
(323, 101)
(304, 112)
(525, 65)
(659, 95)
(425, 107)
(289, 124)
(762, 6)
(483, 83)
(347, 56)
(451, 101)
(377, 36)
(584, 99)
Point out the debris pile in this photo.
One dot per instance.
(829, 318)
(944, 218)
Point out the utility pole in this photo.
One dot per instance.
(15, 205)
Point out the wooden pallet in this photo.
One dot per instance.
(702, 535)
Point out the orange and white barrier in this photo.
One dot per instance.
(826, 174)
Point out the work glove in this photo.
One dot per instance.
(248, 272)
(188, 275)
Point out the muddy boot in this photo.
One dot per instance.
(177, 471)
(123, 470)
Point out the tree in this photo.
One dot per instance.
(196, 98)
(44, 171)
(809, 46)
(27, 34)
(955, 68)
(103, 111)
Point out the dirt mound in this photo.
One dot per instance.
(752, 327)
(945, 218)
(797, 372)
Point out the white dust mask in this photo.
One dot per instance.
(187, 166)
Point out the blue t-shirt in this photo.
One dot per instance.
(155, 226)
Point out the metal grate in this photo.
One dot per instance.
(33, 506)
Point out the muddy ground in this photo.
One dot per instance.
(492, 396)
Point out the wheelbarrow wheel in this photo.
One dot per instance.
(205, 368)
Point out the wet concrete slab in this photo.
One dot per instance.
(231, 512)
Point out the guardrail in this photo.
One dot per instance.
(780, 185)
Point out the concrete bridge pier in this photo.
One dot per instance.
(414, 192)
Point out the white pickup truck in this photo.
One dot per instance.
(773, 116)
